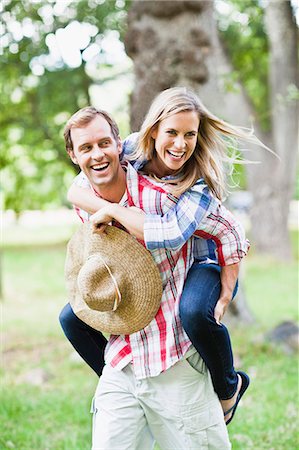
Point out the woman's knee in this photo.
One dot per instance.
(192, 313)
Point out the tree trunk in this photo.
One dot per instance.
(270, 215)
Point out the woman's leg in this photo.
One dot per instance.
(89, 343)
(200, 295)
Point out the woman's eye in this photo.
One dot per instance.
(172, 132)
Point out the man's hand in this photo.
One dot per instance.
(101, 218)
(220, 309)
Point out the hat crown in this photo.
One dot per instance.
(99, 286)
(101, 266)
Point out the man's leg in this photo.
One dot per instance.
(89, 343)
(119, 422)
(182, 408)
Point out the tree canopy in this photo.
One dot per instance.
(43, 80)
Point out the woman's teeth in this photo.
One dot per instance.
(176, 155)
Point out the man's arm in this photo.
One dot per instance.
(228, 276)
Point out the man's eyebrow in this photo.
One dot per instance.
(84, 144)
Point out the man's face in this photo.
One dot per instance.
(97, 153)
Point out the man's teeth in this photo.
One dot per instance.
(176, 155)
(100, 166)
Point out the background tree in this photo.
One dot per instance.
(178, 43)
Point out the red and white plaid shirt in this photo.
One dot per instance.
(163, 342)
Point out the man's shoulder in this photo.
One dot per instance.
(81, 180)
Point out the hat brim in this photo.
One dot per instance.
(143, 293)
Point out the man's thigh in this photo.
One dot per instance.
(119, 422)
(183, 411)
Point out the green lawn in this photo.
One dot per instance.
(54, 414)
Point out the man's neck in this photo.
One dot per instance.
(113, 192)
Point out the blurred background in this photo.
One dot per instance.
(57, 56)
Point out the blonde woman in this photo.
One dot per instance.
(182, 147)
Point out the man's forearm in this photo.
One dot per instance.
(229, 275)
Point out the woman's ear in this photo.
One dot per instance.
(154, 133)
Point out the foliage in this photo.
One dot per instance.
(55, 414)
(42, 83)
(242, 31)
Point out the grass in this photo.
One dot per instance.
(52, 413)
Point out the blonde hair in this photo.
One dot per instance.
(214, 137)
(82, 118)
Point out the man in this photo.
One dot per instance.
(154, 385)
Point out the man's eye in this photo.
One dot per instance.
(86, 148)
(105, 143)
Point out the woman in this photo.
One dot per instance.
(182, 145)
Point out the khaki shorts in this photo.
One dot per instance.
(178, 409)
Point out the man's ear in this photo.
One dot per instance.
(119, 146)
(72, 156)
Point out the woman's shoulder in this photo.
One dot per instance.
(129, 144)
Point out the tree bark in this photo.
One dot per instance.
(270, 215)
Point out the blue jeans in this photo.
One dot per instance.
(89, 343)
(200, 295)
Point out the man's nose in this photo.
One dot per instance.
(97, 152)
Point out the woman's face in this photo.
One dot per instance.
(175, 141)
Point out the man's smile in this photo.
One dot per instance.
(100, 167)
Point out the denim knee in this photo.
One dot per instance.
(67, 316)
(193, 316)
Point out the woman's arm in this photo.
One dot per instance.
(85, 199)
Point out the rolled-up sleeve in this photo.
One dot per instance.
(228, 234)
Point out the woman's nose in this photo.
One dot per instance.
(179, 142)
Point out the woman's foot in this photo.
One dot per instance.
(227, 405)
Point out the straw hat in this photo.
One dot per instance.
(113, 282)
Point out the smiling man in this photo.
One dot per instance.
(93, 143)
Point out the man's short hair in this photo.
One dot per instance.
(82, 118)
